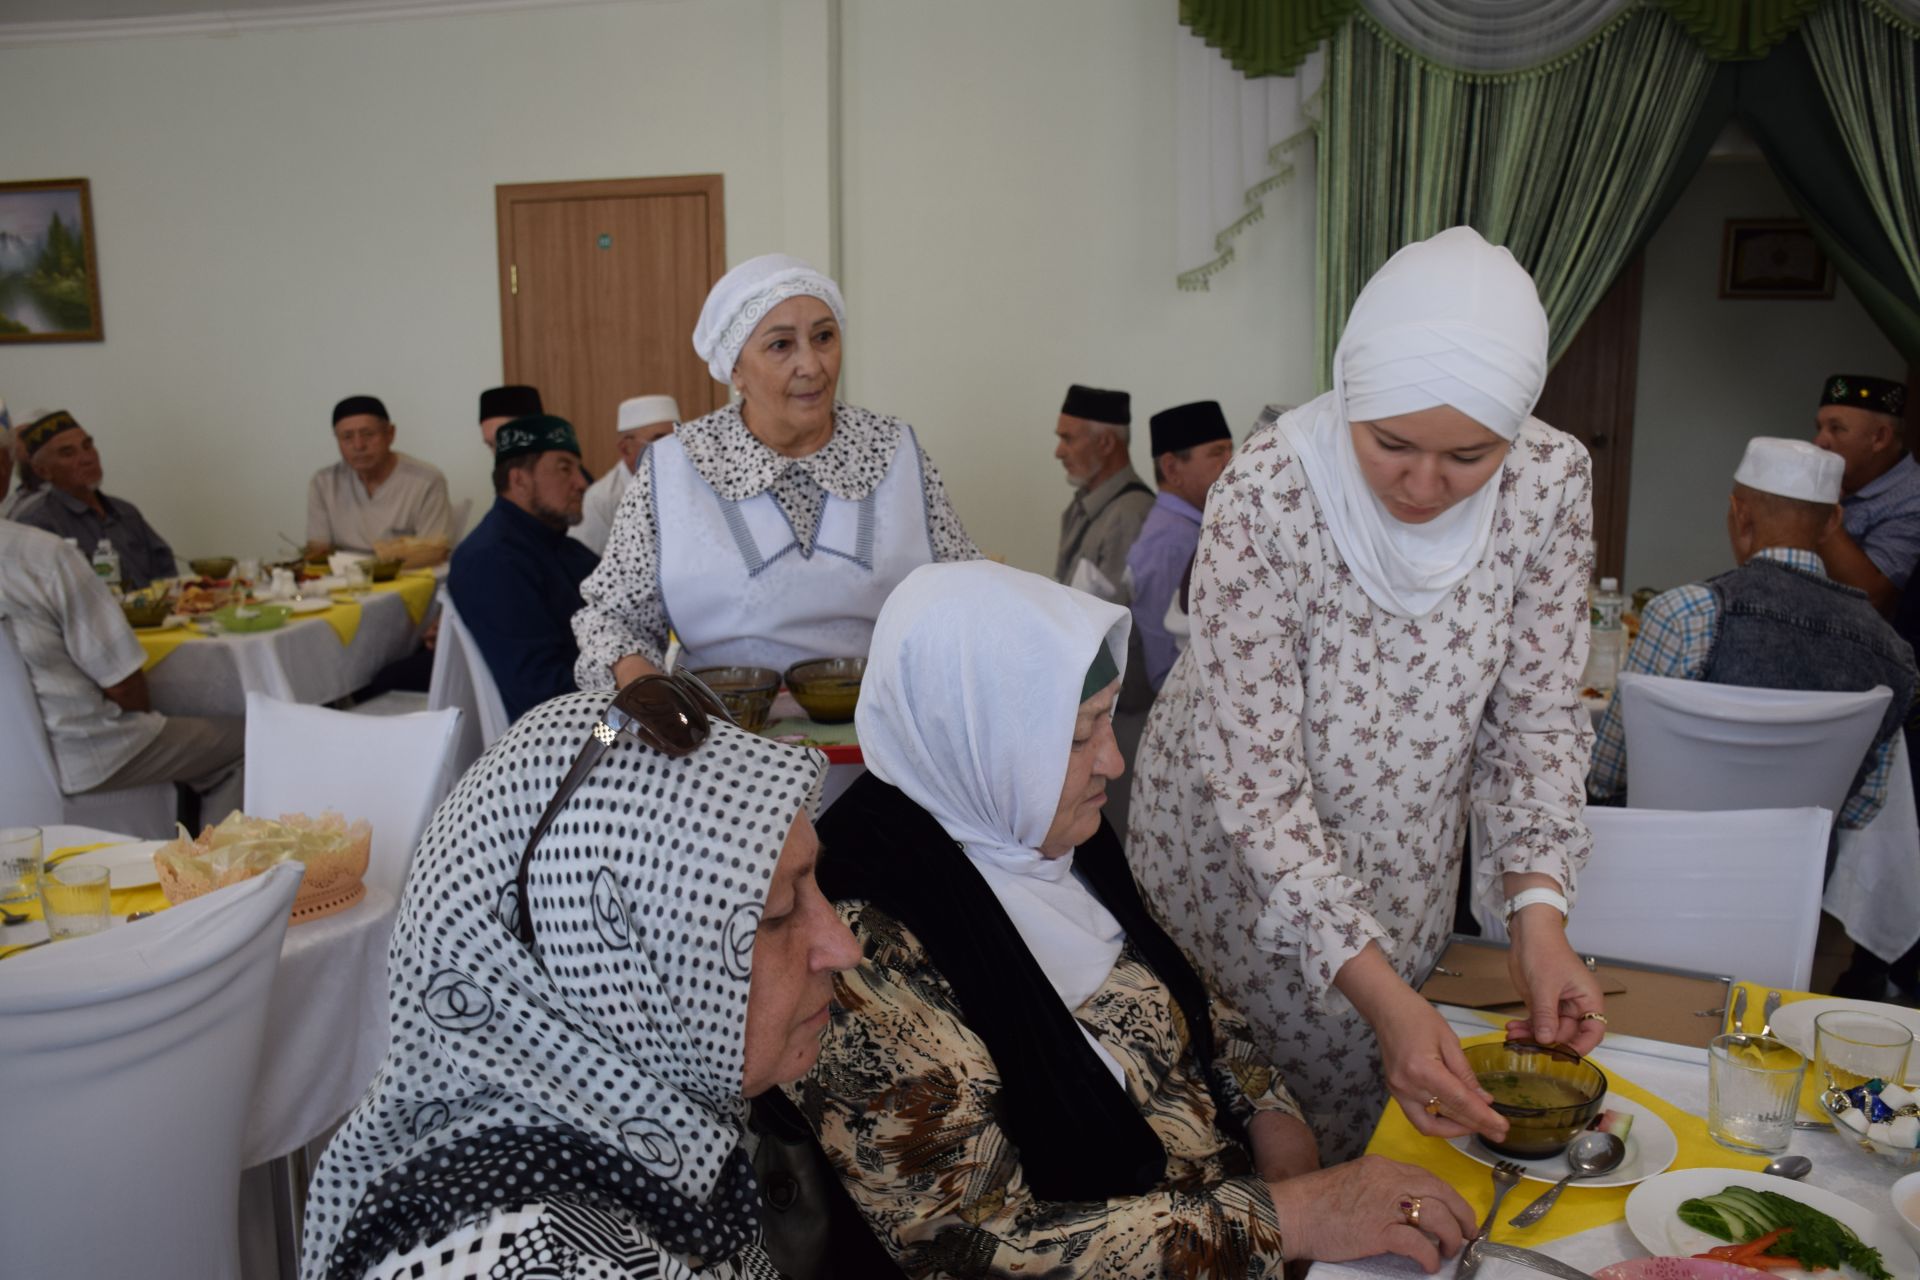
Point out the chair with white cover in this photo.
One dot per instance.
(457, 527)
(391, 770)
(461, 678)
(30, 791)
(1734, 892)
(1695, 745)
(127, 1058)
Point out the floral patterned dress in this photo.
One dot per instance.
(1309, 767)
(905, 1100)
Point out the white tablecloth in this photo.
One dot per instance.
(1679, 1074)
(303, 661)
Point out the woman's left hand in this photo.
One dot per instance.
(1564, 1002)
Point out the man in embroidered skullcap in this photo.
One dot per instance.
(1191, 447)
(516, 578)
(374, 492)
(641, 421)
(1110, 502)
(1779, 621)
(64, 455)
(1878, 542)
(501, 405)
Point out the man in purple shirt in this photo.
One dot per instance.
(1191, 447)
(1875, 549)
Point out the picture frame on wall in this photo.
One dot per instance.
(1773, 258)
(49, 275)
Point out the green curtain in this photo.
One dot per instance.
(1730, 29)
(1265, 37)
(1563, 166)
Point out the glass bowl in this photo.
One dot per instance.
(1834, 1102)
(827, 688)
(213, 567)
(1547, 1095)
(382, 570)
(746, 692)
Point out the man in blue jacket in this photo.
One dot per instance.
(516, 578)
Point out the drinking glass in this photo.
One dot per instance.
(1851, 1047)
(20, 855)
(1753, 1093)
(75, 900)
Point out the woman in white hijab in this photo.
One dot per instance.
(582, 1001)
(1025, 1076)
(1389, 627)
(770, 531)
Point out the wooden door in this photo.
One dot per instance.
(600, 285)
(1589, 395)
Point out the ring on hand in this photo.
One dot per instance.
(1433, 1109)
(1410, 1208)
(1600, 1018)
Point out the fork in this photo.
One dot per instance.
(1506, 1176)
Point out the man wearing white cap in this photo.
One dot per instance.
(642, 420)
(1776, 622)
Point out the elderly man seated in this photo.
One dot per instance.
(85, 666)
(374, 493)
(1877, 542)
(516, 578)
(642, 420)
(1776, 622)
(62, 452)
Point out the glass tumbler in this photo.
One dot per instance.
(1753, 1093)
(20, 863)
(1851, 1047)
(76, 900)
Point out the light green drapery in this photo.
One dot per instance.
(1562, 166)
(1867, 68)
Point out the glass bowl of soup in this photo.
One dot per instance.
(746, 692)
(828, 688)
(1547, 1095)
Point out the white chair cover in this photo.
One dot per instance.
(30, 792)
(457, 527)
(1694, 745)
(1727, 892)
(1875, 886)
(126, 1059)
(391, 770)
(461, 678)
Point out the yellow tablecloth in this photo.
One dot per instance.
(123, 902)
(1810, 1108)
(158, 644)
(1580, 1208)
(416, 588)
(344, 618)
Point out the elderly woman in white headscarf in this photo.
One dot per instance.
(1389, 627)
(1025, 1076)
(583, 998)
(768, 532)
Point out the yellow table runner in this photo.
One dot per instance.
(1580, 1208)
(416, 588)
(122, 902)
(1810, 1108)
(158, 644)
(344, 618)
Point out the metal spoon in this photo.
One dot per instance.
(1795, 1167)
(1588, 1156)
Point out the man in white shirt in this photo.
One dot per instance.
(85, 666)
(642, 420)
(374, 492)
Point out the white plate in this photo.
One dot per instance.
(131, 865)
(1794, 1022)
(1654, 1222)
(1651, 1148)
(308, 606)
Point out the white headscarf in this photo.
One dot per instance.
(735, 307)
(1454, 321)
(968, 706)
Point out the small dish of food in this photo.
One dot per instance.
(746, 692)
(827, 689)
(1547, 1094)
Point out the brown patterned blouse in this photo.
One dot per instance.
(905, 1099)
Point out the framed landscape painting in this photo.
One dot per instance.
(49, 284)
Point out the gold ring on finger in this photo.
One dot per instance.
(1600, 1018)
(1410, 1208)
(1433, 1109)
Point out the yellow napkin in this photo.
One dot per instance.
(416, 589)
(159, 644)
(121, 902)
(344, 618)
(1580, 1208)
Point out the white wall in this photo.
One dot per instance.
(1715, 372)
(284, 218)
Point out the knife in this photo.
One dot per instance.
(1525, 1258)
(1739, 1022)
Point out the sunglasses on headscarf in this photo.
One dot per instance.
(672, 714)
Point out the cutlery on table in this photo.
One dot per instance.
(1506, 1175)
(1588, 1156)
(24, 946)
(11, 917)
(1767, 1010)
(1795, 1167)
(1738, 1022)
(1527, 1258)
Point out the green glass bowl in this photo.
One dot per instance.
(214, 567)
(252, 617)
(382, 570)
(746, 692)
(1537, 1132)
(828, 688)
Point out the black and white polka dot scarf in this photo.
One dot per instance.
(612, 1075)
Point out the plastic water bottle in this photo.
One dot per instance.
(106, 563)
(1609, 648)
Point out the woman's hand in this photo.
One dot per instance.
(1425, 1069)
(1559, 988)
(1361, 1209)
(1283, 1146)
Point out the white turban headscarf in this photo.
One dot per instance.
(1454, 321)
(736, 306)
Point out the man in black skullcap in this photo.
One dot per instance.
(1191, 447)
(516, 578)
(1109, 503)
(1875, 549)
(59, 449)
(374, 492)
(501, 405)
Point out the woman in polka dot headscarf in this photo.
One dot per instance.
(573, 1107)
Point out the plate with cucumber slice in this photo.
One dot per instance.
(1669, 1215)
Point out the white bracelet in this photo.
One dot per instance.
(1531, 897)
